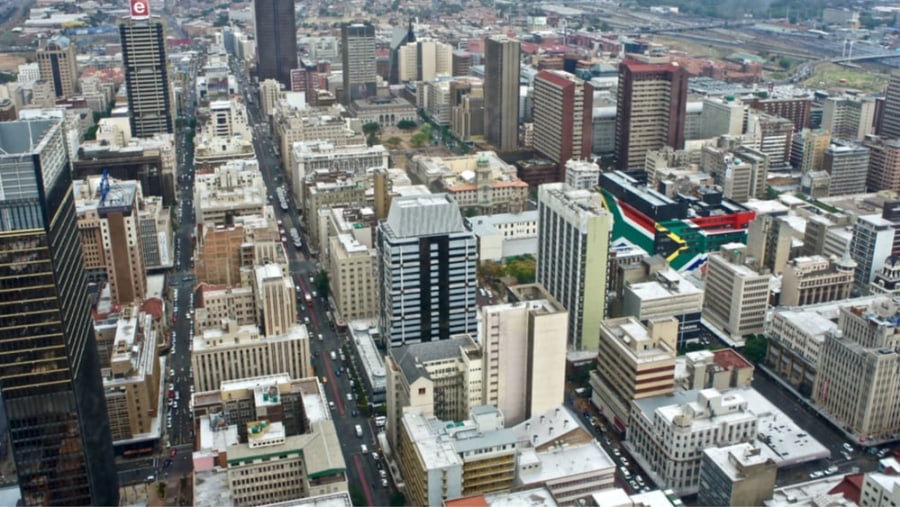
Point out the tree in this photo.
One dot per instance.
(490, 270)
(522, 269)
(372, 140)
(471, 211)
(322, 283)
(755, 348)
(406, 125)
(784, 63)
(393, 142)
(371, 128)
(425, 130)
(418, 140)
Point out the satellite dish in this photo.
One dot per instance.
(885, 307)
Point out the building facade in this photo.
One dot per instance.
(501, 92)
(144, 59)
(812, 280)
(276, 40)
(735, 475)
(736, 295)
(56, 61)
(358, 58)
(563, 109)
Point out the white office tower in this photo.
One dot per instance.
(573, 257)
(426, 271)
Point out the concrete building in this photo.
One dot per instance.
(770, 239)
(666, 294)
(889, 126)
(427, 273)
(221, 302)
(633, 362)
(384, 110)
(812, 280)
(563, 107)
(651, 101)
(887, 282)
(56, 61)
(735, 475)
(573, 250)
(270, 92)
(467, 108)
(480, 181)
(292, 124)
(235, 352)
(736, 293)
(808, 149)
(276, 40)
(151, 161)
(850, 118)
(848, 166)
(276, 301)
(670, 437)
(132, 380)
(796, 108)
(505, 234)
(440, 460)
(224, 136)
(223, 251)
(857, 378)
(231, 190)
(352, 262)
(870, 245)
(884, 164)
(322, 156)
(110, 233)
(759, 170)
(151, 107)
(722, 369)
(880, 489)
(156, 234)
(722, 117)
(424, 59)
(358, 59)
(581, 175)
(501, 92)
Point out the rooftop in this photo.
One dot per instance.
(412, 357)
(561, 462)
(743, 454)
(423, 215)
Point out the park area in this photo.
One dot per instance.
(830, 76)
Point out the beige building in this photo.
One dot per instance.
(722, 369)
(670, 432)
(224, 135)
(850, 117)
(351, 270)
(276, 299)
(270, 92)
(230, 190)
(633, 362)
(110, 233)
(736, 294)
(291, 124)
(222, 252)
(324, 191)
(858, 367)
(132, 380)
(880, 489)
(235, 352)
(811, 280)
(813, 144)
(310, 157)
(665, 294)
(156, 234)
(736, 475)
(440, 460)
(467, 107)
(770, 239)
(56, 61)
(424, 59)
(884, 164)
(220, 302)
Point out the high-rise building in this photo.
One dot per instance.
(795, 109)
(305, 78)
(884, 164)
(870, 245)
(276, 40)
(890, 118)
(150, 103)
(651, 106)
(563, 109)
(275, 299)
(848, 166)
(358, 58)
(849, 118)
(426, 271)
(59, 433)
(573, 256)
(56, 61)
(808, 149)
(501, 92)
(424, 60)
(737, 294)
(813, 280)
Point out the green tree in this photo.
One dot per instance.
(522, 269)
(406, 124)
(755, 348)
(372, 140)
(371, 128)
(425, 130)
(418, 140)
(393, 142)
(161, 489)
(471, 211)
(490, 271)
(784, 63)
(322, 283)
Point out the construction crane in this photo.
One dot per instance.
(104, 186)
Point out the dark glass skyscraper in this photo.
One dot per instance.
(276, 40)
(49, 370)
(147, 76)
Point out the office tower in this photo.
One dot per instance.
(808, 149)
(795, 109)
(276, 300)
(848, 166)
(858, 379)
(270, 92)
(501, 92)
(399, 37)
(849, 118)
(871, 243)
(736, 295)
(276, 40)
(147, 77)
(305, 79)
(634, 362)
(722, 117)
(738, 474)
(889, 126)
(358, 58)
(56, 61)
(884, 164)
(650, 110)
(563, 108)
(426, 271)
(424, 60)
(813, 280)
(770, 240)
(573, 255)
(773, 135)
(50, 381)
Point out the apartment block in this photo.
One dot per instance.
(884, 164)
(109, 227)
(234, 352)
(573, 250)
(132, 380)
(56, 64)
(736, 294)
(351, 270)
(848, 166)
(563, 108)
(441, 460)
(811, 280)
(772, 135)
(871, 243)
(633, 362)
(808, 149)
(669, 433)
(231, 190)
(666, 294)
(849, 118)
(858, 376)
(735, 475)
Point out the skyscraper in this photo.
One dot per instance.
(358, 58)
(573, 257)
(276, 40)
(146, 75)
(501, 92)
(889, 126)
(650, 110)
(563, 109)
(427, 278)
(49, 371)
(56, 61)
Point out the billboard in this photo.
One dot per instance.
(140, 9)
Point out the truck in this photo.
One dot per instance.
(359, 432)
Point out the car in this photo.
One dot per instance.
(321, 338)
(171, 372)
(831, 470)
(375, 456)
(384, 483)
(314, 294)
(354, 413)
(192, 388)
(817, 474)
(169, 424)
(306, 320)
(363, 449)
(617, 452)
(331, 405)
(349, 396)
(848, 447)
(338, 372)
(383, 474)
(175, 405)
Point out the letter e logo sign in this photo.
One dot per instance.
(140, 9)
